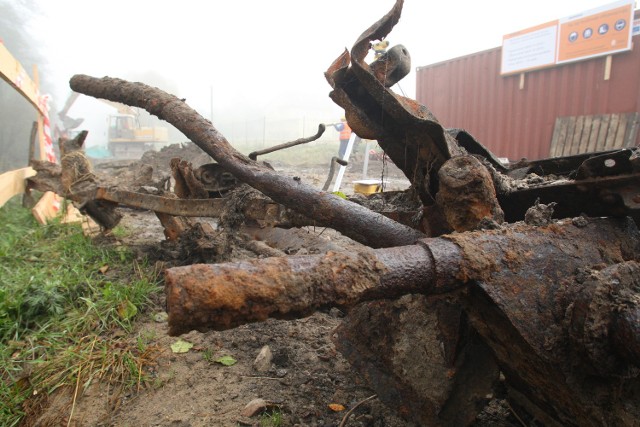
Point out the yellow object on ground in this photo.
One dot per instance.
(367, 186)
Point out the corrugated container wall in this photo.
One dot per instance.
(469, 93)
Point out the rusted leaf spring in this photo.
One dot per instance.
(259, 210)
(352, 220)
(223, 296)
(178, 207)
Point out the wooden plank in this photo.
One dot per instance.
(574, 144)
(586, 134)
(587, 128)
(593, 136)
(632, 130)
(611, 133)
(32, 141)
(13, 73)
(13, 183)
(571, 125)
(562, 137)
(73, 215)
(558, 129)
(602, 133)
(47, 208)
(618, 141)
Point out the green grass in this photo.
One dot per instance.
(60, 316)
(271, 418)
(207, 355)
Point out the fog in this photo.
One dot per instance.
(256, 68)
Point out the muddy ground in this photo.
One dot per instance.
(306, 380)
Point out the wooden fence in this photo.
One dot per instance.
(584, 134)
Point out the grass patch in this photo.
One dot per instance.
(271, 418)
(61, 318)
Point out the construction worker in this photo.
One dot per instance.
(345, 134)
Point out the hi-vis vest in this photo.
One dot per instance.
(345, 133)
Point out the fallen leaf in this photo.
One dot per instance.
(181, 346)
(340, 194)
(127, 310)
(160, 317)
(104, 269)
(226, 361)
(336, 407)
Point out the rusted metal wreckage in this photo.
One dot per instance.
(530, 270)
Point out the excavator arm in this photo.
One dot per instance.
(71, 123)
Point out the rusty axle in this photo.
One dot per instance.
(223, 296)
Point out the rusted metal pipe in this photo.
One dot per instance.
(321, 128)
(332, 169)
(223, 296)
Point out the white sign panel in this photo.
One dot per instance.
(529, 49)
(596, 32)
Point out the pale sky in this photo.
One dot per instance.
(261, 58)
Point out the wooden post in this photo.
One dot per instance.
(522, 81)
(27, 198)
(607, 67)
(36, 80)
(32, 141)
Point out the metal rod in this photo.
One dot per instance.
(321, 128)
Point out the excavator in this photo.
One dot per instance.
(126, 138)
